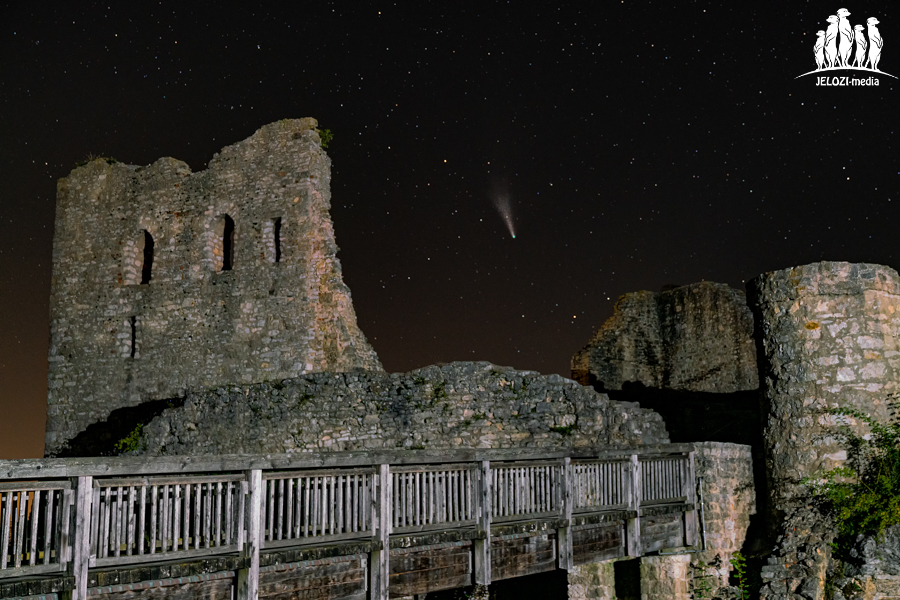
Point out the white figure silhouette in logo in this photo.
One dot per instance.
(861, 45)
(846, 36)
(875, 43)
(831, 41)
(819, 49)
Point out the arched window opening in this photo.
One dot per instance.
(276, 234)
(147, 267)
(223, 244)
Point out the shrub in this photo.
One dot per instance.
(863, 495)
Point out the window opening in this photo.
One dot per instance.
(133, 335)
(228, 244)
(147, 269)
(276, 234)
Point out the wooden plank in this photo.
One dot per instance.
(29, 486)
(593, 544)
(48, 523)
(407, 584)
(633, 525)
(81, 548)
(661, 532)
(248, 578)
(135, 466)
(342, 591)
(64, 531)
(689, 490)
(213, 589)
(521, 556)
(564, 536)
(482, 546)
(379, 560)
(273, 583)
(5, 522)
(112, 561)
(35, 511)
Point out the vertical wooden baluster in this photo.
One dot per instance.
(198, 515)
(154, 512)
(320, 513)
(358, 502)
(21, 503)
(208, 515)
(348, 503)
(338, 502)
(32, 538)
(218, 510)
(289, 509)
(186, 518)
(353, 495)
(48, 525)
(298, 508)
(268, 521)
(176, 518)
(279, 510)
(6, 521)
(331, 505)
(106, 535)
(395, 506)
(165, 517)
(130, 523)
(119, 517)
(306, 506)
(229, 511)
(142, 519)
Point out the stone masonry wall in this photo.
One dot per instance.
(729, 498)
(592, 581)
(697, 337)
(829, 337)
(459, 405)
(244, 285)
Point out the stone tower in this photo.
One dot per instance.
(166, 280)
(830, 337)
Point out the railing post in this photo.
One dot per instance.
(633, 524)
(690, 492)
(379, 558)
(483, 495)
(567, 500)
(248, 578)
(80, 556)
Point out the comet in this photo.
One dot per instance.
(502, 204)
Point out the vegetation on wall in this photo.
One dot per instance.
(863, 495)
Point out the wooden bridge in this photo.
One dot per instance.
(348, 525)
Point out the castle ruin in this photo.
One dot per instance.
(165, 280)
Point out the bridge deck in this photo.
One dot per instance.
(347, 525)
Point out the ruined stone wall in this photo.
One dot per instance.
(240, 279)
(729, 499)
(459, 405)
(697, 337)
(829, 337)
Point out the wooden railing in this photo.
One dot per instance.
(68, 515)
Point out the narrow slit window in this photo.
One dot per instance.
(228, 244)
(276, 238)
(147, 267)
(133, 322)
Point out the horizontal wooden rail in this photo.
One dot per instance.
(66, 515)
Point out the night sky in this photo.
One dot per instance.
(637, 145)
